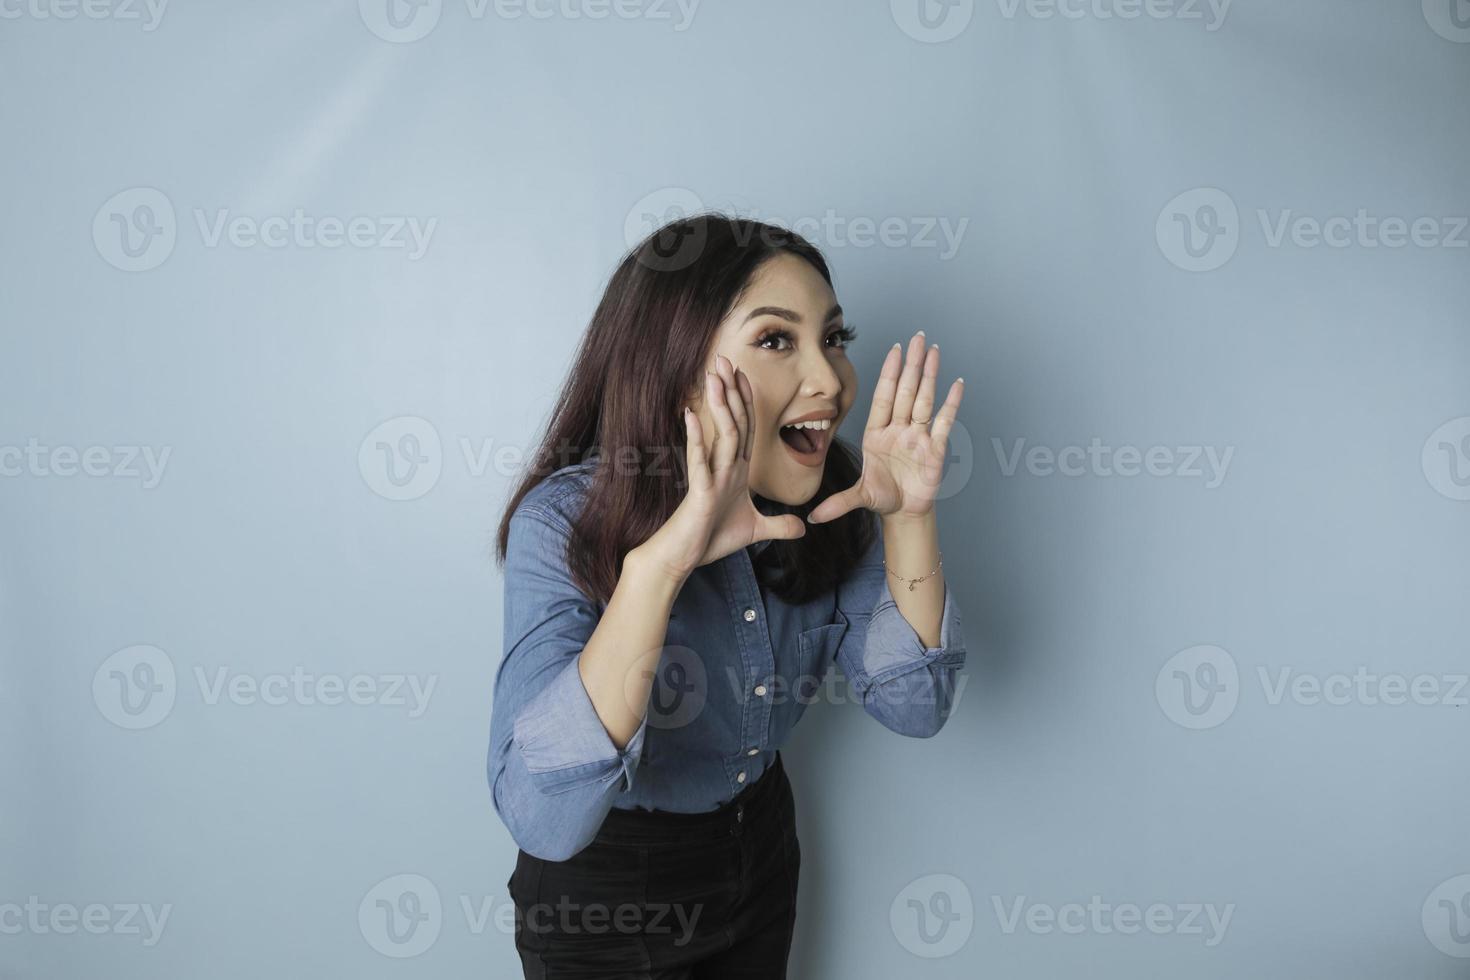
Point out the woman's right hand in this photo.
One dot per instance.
(717, 516)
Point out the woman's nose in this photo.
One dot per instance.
(821, 378)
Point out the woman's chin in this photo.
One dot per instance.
(794, 490)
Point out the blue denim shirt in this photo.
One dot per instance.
(738, 668)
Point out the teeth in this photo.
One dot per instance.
(819, 424)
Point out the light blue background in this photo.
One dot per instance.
(534, 145)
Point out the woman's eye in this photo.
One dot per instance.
(781, 339)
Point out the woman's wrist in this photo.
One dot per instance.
(651, 569)
(902, 523)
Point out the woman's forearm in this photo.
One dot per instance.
(618, 663)
(911, 548)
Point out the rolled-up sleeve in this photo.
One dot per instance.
(907, 686)
(553, 769)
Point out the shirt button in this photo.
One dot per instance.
(750, 615)
(760, 690)
(754, 752)
(740, 778)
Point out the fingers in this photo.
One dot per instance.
(782, 527)
(748, 393)
(733, 397)
(836, 505)
(944, 421)
(882, 411)
(694, 453)
(923, 410)
(908, 381)
(728, 435)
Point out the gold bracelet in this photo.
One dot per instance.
(915, 581)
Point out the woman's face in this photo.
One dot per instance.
(787, 336)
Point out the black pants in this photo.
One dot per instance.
(660, 895)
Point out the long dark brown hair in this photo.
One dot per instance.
(643, 354)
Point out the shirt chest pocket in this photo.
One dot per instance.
(805, 663)
(816, 649)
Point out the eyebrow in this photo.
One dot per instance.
(791, 315)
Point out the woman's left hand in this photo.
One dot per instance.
(904, 443)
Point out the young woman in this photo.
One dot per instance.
(690, 552)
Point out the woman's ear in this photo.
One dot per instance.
(694, 397)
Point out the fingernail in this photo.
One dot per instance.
(921, 333)
(960, 380)
(897, 344)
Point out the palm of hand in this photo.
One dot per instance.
(902, 467)
(903, 446)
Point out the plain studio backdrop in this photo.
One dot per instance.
(289, 290)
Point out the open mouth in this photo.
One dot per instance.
(808, 441)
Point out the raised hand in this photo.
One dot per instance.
(905, 442)
(717, 516)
